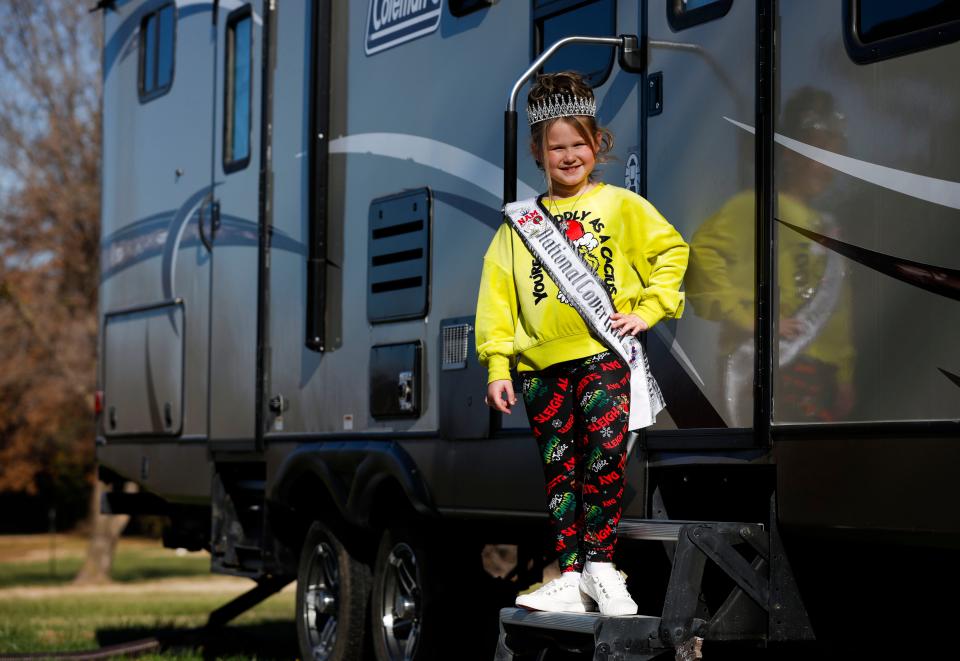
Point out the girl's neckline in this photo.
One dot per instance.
(575, 199)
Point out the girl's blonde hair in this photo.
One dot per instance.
(567, 83)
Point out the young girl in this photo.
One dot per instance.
(576, 390)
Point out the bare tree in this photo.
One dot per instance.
(49, 243)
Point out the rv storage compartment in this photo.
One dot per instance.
(143, 370)
(398, 273)
(395, 380)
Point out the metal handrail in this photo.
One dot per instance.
(547, 54)
(628, 49)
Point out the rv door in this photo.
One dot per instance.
(233, 227)
(700, 153)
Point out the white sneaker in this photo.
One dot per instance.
(559, 595)
(609, 590)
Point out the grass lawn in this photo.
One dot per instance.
(136, 560)
(156, 593)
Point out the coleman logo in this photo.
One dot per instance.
(393, 22)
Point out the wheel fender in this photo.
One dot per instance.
(375, 471)
(351, 473)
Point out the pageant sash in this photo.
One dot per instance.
(587, 294)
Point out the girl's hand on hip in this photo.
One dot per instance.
(628, 323)
(495, 395)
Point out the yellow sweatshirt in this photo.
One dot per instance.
(520, 318)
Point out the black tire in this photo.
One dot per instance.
(333, 590)
(406, 621)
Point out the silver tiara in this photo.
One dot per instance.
(561, 105)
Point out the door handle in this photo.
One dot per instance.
(214, 206)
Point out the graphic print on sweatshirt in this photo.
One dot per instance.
(586, 234)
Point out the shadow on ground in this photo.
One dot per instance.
(273, 640)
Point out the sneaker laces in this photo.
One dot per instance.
(558, 585)
(612, 585)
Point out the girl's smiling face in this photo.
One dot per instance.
(570, 158)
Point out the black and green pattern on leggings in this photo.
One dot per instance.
(578, 411)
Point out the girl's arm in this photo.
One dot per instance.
(664, 254)
(497, 314)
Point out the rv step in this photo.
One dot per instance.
(573, 622)
(665, 530)
(523, 632)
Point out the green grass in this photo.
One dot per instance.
(88, 621)
(42, 613)
(134, 561)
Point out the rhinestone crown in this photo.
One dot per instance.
(560, 105)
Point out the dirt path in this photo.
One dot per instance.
(220, 584)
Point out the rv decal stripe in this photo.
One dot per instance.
(935, 279)
(950, 375)
(929, 189)
(678, 352)
(488, 215)
(433, 154)
(690, 408)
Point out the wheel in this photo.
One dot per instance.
(404, 619)
(333, 590)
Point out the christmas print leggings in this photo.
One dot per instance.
(578, 411)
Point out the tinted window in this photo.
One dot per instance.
(239, 67)
(464, 7)
(882, 19)
(157, 33)
(682, 14)
(149, 46)
(880, 29)
(165, 46)
(555, 20)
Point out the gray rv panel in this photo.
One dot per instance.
(867, 176)
(146, 401)
(865, 486)
(177, 471)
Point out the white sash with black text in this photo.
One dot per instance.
(585, 291)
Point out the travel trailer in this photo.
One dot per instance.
(297, 196)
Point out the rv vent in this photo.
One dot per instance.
(398, 274)
(456, 339)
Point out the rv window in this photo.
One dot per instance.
(237, 100)
(556, 19)
(880, 29)
(156, 53)
(463, 7)
(682, 14)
